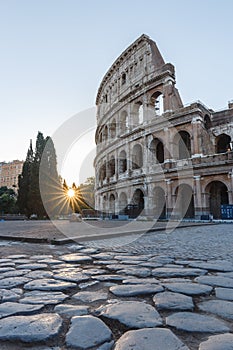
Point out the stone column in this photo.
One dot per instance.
(197, 197)
(169, 201)
(196, 133)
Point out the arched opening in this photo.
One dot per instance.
(112, 204)
(123, 125)
(137, 205)
(137, 157)
(105, 133)
(159, 203)
(100, 138)
(184, 145)
(207, 122)
(157, 149)
(156, 101)
(112, 128)
(218, 195)
(223, 143)
(102, 172)
(123, 203)
(122, 162)
(111, 165)
(123, 79)
(185, 202)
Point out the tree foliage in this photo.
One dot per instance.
(39, 172)
(7, 200)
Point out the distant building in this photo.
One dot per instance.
(9, 173)
(155, 156)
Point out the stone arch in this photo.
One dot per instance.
(182, 142)
(157, 150)
(156, 100)
(112, 166)
(123, 122)
(217, 192)
(105, 133)
(223, 143)
(138, 112)
(137, 204)
(112, 128)
(185, 201)
(122, 162)
(123, 78)
(207, 122)
(102, 172)
(112, 202)
(137, 157)
(123, 201)
(159, 203)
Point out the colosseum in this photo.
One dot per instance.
(157, 158)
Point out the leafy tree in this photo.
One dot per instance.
(7, 200)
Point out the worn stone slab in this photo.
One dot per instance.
(8, 295)
(135, 289)
(71, 310)
(71, 276)
(45, 298)
(90, 297)
(134, 314)
(135, 271)
(103, 256)
(88, 284)
(189, 288)
(218, 281)
(79, 337)
(49, 284)
(148, 280)
(173, 301)
(39, 274)
(150, 339)
(215, 265)
(106, 346)
(32, 328)
(76, 258)
(191, 322)
(109, 277)
(218, 342)
(11, 282)
(177, 272)
(6, 269)
(224, 293)
(15, 273)
(221, 308)
(93, 272)
(10, 308)
(32, 266)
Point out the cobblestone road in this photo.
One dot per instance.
(156, 291)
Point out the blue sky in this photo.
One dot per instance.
(54, 54)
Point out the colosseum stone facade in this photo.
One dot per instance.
(156, 157)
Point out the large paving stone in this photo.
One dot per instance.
(32, 266)
(189, 288)
(109, 277)
(177, 272)
(49, 284)
(221, 308)
(33, 328)
(11, 282)
(191, 322)
(173, 301)
(71, 310)
(39, 274)
(90, 297)
(76, 258)
(150, 339)
(218, 281)
(218, 342)
(14, 273)
(11, 308)
(8, 295)
(135, 271)
(216, 265)
(223, 293)
(86, 332)
(46, 298)
(134, 314)
(134, 280)
(135, 289)
(71, 276)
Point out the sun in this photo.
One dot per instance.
(70, 193)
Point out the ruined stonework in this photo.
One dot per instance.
(156, 157)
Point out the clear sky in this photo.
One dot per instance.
(54, 54)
